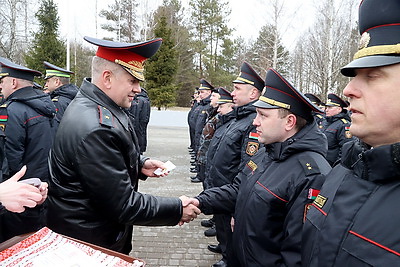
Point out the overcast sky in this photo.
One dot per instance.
(78, 17)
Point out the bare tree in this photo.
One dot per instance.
(325, 49)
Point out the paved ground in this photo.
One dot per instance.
(172, 245)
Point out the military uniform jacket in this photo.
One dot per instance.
(337, 130)
(27, 118)
(202, 111)
(61, 98)
(270, 197)
(95, 167)
(192, 115)
(235, 147)
(355, 220)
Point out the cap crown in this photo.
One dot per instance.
(11, 69)
(248, 75)
(131, 56)
(280, 93)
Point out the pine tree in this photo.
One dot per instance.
(121, 18)
(46, 45)
(161, 69)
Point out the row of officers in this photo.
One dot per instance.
(29, 118)
(268, 171)
(223, 139)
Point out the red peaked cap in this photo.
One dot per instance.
(130, 56)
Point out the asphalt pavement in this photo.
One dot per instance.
(172, 245)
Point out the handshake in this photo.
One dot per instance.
(190, 209)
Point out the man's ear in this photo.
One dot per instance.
(106, 78)
(291, 121)
(254, 94)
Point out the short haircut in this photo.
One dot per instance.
(300, 122)
(100, 64)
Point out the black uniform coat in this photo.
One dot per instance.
(270, 196)
(336, 129)
(222, 125)
(29, 130)
(61, 98)
(95, 166)
(234, 148)
(355, 220)
(192, 116)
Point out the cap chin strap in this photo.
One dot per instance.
(378, 50)
(274, 102)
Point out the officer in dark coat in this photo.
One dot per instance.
(205, 90)
(237, 145)
(319, 118)
(272, 192)
(95, 161)
(59, 87)
(27, 119)
(140, 110)
(192, 119)
(206, 136)
(337, 127)
(354, 221)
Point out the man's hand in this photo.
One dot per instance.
(190, 209)
(15, 196)
(150, 166)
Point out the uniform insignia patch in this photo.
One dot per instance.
(2, 127)
(252, 165)
(347, 132)
(320, 200)
(252, 148)
(105, 116)
(313, 193)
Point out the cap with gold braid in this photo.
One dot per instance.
(379, 26)
(249, 76)
(334, 100)
(131, 56)
(280, 93)
(224, 96)
(11, 69)
(53, 70)
(204, 85)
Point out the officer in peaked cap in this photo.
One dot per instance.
(96, 152)
(200, 115)
(59, 87)
(336, 127)
(352, 220)
(235, 147)
(270, 196)
(27, 121)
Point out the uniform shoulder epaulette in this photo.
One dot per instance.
(320, 116)
(344, 121)
(309, 165)
(105, 116)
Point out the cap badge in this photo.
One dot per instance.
(364, 41)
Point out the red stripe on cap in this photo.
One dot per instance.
(384, 25)
(123, 54)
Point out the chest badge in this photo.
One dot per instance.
(320, 201)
